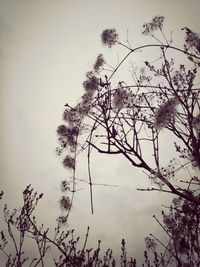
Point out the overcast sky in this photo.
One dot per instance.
(46, 47)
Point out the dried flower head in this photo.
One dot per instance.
(85, 104)
(65, 203)
(69, 162)
(99, 63)
(120, 98)
(109, 37)
(166, 113)
(91, 83)
(62, 220)
(72, 116)
(67, 135)
(155, 24)
(62, 130)
(192, 40)
(86, 99)
(65, 186)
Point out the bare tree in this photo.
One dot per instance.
(118, 117)
(123, 118)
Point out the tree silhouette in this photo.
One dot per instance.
(125, 118)
(118, 117)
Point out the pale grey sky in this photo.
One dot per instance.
(46, 48)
